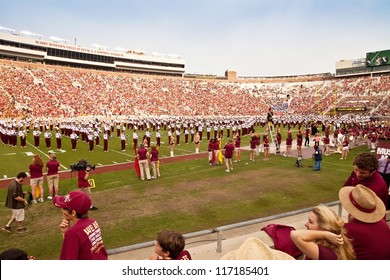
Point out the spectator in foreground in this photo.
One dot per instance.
(369, 232)
(365, 172)
(169, 245)
(82, 235)
(15, 254)
(325, 237)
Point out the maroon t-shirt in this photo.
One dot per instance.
(82, 183)
(154, 154)
(52, 167)
(142, 154)
(325, 253)
(229, 148)
(83, 241)
(369, 241)
(35, 171)
(326, 140)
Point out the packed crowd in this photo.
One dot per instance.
(39, 91)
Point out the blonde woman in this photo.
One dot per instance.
(325, 237)
(36, 178)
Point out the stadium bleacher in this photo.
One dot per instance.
(37, 90)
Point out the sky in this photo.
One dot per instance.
(251, 37)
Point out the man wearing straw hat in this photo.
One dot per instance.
(366, 227)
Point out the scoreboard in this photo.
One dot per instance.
(378, 58)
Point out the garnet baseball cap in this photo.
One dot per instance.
(75, 200)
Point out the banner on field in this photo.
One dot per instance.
(382, 149)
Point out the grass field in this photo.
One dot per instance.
(189, 196)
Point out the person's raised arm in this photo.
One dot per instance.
(306, 240)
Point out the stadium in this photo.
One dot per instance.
(51, 86)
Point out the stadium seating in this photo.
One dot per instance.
(47, 91)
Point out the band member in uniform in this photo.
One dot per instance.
(96, 135)
(186, 133)
(208, 131)
(36, 134)
(147, 134)
(123, 140)
(177, 136)
(22, 135)
(192, 132)
(73, 140)
(135, 139)
(118, 129)
(90, 141)
(47, 136)
(58, 139)
(158, 138)
(105, 141)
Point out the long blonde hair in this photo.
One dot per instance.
(328, 220)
